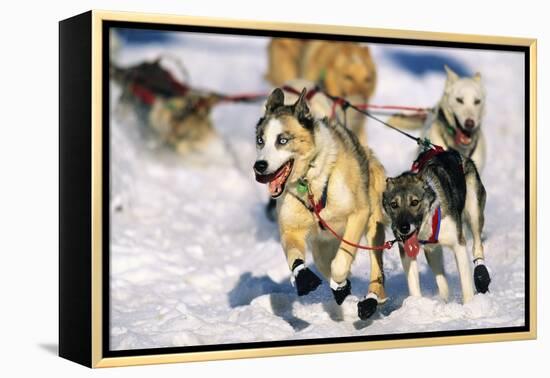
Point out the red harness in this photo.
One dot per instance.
(309, 94)
(425, 157)
(312, 92)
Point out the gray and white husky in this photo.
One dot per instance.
(457, 120)
(428, 208)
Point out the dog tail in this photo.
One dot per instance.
(408, 121)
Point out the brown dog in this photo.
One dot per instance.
(343, 69)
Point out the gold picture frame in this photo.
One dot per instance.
(82, 256)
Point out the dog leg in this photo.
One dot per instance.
(294, 246)
(434, 256)
(323, 251)
(473, 211)
(463, 264)
(410, 266)
(341, 264)
(367, 307)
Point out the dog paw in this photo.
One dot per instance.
(481, 278)
(271, 210)
(367, 307)
(340, 291)
(304, 279)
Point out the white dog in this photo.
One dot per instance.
(457, 119)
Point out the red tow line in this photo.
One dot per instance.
(393, 107)
(316, 210)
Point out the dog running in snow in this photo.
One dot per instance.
(428, 208)
(457, 119)
(295, 149)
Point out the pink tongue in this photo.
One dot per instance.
(412, 247)
(462, 138)
(273, 186)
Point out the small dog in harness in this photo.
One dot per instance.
(428, 206)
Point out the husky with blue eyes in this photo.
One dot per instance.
(299, 154)
(458, 118)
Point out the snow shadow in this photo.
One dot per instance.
(282, 296)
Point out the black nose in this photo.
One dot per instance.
(260, 166)
(404, 228)
(469, 123)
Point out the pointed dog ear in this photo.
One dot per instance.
(301, 110)
(389, 182)
(477, 77)
(451, 75)
(275, 100)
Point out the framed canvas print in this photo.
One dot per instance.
(235, 189)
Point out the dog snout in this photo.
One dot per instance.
(404, 228)
(469, 123)
(260, 166)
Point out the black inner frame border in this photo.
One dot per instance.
(107, 25)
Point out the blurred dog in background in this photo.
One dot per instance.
(343, 69)
(179, 115)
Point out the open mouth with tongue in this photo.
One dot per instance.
(462, 136)
(276, 181)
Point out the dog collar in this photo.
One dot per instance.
(441, 117)
(303, 188)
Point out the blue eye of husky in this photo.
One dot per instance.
(283, 140)
(259, 141)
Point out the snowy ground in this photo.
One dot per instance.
(194, 260)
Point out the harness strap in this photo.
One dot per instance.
(436, 225)
(146, 96)
(326, 226)
(309, 94)
(425, 157)
(317, 207)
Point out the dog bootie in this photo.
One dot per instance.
(482, 279)
(340, 291)
(303, 278)
(367, 307)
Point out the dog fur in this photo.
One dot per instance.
(326, 155)
(449, 181)
(344, 69)
(457, 120)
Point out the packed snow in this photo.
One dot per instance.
(194, 260)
